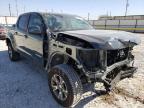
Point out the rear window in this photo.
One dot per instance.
(22, 23)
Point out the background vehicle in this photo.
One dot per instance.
(2, 33)
(72, 52)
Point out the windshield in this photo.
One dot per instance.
(66, 23)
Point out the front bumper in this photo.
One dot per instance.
(102, 74)
(107, 66)
(111, 78)
(114, 73)
(126, 73)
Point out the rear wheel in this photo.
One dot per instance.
(65, 85)
(13, 55)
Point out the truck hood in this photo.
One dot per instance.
(106, 39)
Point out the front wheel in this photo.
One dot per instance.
(13, 55)
(65, 85)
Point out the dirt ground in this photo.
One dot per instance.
(23, 84)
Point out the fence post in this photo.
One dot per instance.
(93, 24)
(136, 25)
(105, 24)
(119, 24)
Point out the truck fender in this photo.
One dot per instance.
(10, 38)
(58, 58)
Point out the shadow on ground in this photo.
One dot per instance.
(23, 84)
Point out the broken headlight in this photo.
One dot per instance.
(114, 56)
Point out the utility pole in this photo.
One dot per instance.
(61, 11)
(46, 11)
(88, 16)
(110, 13)
(107, 14)
(127, 5)
(16, 7)
(52, 10)
(24, 9)
(9, 9)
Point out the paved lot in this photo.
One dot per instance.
(23, 84)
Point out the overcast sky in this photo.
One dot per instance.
(79, 7)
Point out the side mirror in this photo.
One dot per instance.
(35, 30)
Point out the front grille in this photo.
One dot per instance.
(89, 58)
(114, 56)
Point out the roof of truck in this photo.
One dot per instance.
(45, 13)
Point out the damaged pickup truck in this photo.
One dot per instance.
(72, 52)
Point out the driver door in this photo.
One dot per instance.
(34, 39)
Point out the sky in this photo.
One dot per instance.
(95, 8)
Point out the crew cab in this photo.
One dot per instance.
(72, 52)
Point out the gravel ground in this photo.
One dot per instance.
(23, 84)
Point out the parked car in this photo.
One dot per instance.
(2, 33)
(72, 52)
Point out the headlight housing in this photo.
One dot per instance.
(89, 59)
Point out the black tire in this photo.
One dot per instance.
(13, 55)
(72, 82)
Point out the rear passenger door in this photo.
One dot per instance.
(21, 31)
(34, 41)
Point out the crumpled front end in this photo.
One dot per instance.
(101, 55)
(108, 66)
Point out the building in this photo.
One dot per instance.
(128, 17)
(8, 20)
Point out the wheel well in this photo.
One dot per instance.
(58, 59)
(64, 59)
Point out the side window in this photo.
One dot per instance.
(35, 20)
(55, 22)
(22, 23)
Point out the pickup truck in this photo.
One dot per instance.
(72, 52)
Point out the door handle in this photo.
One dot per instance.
(25, 36)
